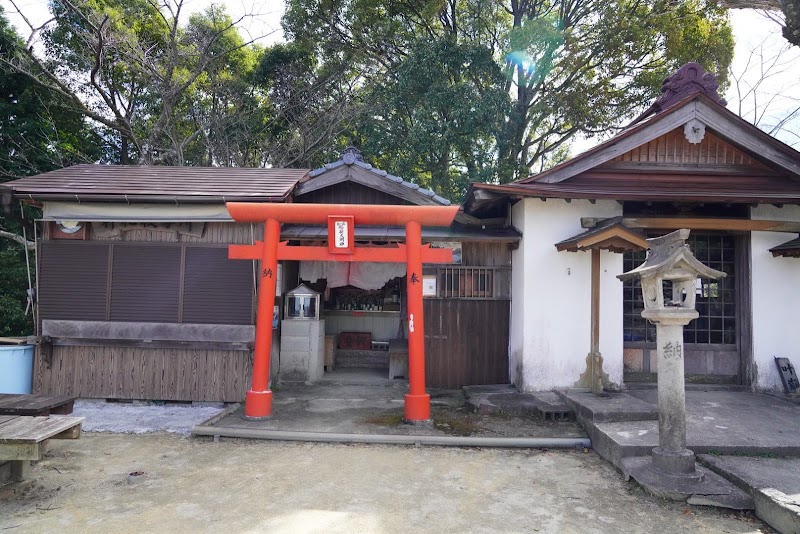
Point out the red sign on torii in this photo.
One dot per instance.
(340, 219)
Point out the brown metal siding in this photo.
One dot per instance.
(73, 281)
(466, 342)
(145, 284)
(215, 289)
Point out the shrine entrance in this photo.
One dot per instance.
(340, 220)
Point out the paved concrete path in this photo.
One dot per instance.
(240, 486)
(773, 482)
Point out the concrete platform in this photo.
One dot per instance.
(349, 411)
(719, 421)
(774, 484)
(722, 422)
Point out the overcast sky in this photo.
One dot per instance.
(758, 44)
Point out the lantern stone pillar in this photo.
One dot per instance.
(669, 261)
(671, 455)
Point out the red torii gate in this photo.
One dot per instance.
(341, 220)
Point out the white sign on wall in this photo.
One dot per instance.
(341, 234)
(429, 285)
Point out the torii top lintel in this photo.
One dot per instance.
(391, 215)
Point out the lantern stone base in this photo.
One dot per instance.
(703, 487)
(674, 463)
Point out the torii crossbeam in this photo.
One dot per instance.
(341, 220)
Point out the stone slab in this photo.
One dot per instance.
(707, 489)
(470, 391)
(592, 408)
(774, 484)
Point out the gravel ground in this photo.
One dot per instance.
(142, 418)
(240, 486)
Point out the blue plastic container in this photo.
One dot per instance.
(16, 368)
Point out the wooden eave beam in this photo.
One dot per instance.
(695, 223)
(614, 239)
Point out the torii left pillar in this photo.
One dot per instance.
(258, 401)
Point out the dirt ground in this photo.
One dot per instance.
(196, 485)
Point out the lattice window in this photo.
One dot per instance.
(716, 299)
(467, 282)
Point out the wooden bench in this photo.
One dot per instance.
(24, 438)
(36, 405)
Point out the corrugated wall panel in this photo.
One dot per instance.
(146, 283)
(216, 289)
(73, 280)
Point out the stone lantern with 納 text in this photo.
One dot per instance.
(670, 261)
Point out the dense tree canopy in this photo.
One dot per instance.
(569, 67)
(39, 131)
(441, 91)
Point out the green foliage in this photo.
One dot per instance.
(569, 67)
(39, 132)
(439, 119)
(13, 286)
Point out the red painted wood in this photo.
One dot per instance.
(372, 254)
(259, 399)
(363, 214)
(258, 402)
(418, 403)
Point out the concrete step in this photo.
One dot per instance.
(367, 359)
(645, 386)
(546, 405)
(772, 482)
(610, 407)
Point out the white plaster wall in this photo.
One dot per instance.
(776, 299)
(551, 291)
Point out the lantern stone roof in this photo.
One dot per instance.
(609, 234)
(668, 254)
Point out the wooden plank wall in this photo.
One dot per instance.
(466, 342)
(154, 374)
(348, 193)
(485, 254)
(675, 148)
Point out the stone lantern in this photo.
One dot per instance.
(670, 260)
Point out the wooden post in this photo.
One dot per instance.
(417, 402)
(258, 402)
(594, 354)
